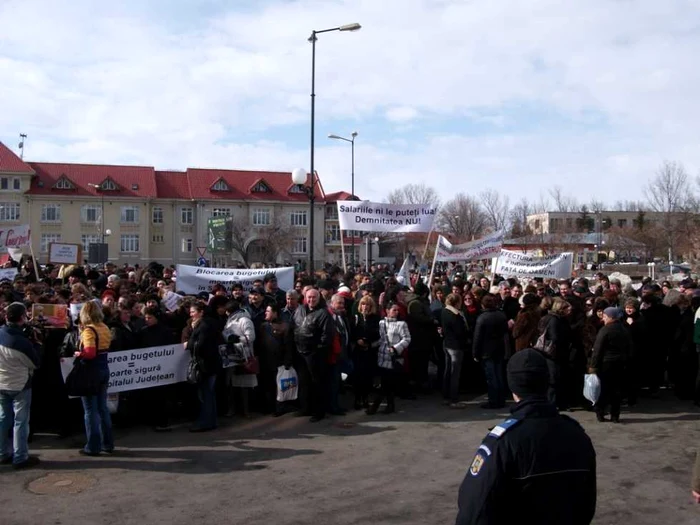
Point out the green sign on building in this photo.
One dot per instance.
(218, 238)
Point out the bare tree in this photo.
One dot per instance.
(669, 193)
(496, 208)
(562, 202)
(259, 242)
(463, 217)
(596, 206)
(414, 194)
(518, 218)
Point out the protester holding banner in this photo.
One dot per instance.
(95, 339)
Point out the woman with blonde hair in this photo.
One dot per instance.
(95, 339)
(366, 342)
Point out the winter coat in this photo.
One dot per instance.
(19, 357)
(454, 329)
(366, 328)
(511, 307)
(313, 330)
(393, 334)
(240, 324)
(124, 337)
(204, 342)
(526, 328)
(559, 332)
(276, 343)
(613, 345)
(156, 335)
(490, 335)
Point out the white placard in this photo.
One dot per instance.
(514, 264)
(485, 248)
(172, 301)
(369, 216)
(192, 280)
(64, 253)
(142, 368)
(8, 273)
(14, 236)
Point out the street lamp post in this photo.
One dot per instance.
(102, 209)
(352, 187)
(312, 39)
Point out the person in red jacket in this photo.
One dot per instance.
(339, 352)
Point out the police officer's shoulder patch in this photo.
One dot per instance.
(503, 427)
(477, 463)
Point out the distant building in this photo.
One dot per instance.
(578, 222)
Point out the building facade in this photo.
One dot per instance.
(148, 215)
(570, 222)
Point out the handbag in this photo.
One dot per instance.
(548, 348)
(251, 366)
(84, 377)
(195, 370)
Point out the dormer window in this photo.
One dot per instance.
(108, 185)
(64, 184)
(261, 187)
(220, 185)
(297, 188)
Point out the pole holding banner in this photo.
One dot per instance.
(342, 252)
(432, 269)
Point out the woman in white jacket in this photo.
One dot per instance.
(394, 339)
(239, 333)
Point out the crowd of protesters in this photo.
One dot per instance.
(368, 331)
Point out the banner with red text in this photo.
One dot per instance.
(14, 236)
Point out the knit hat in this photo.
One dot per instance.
(529, 299)
(613, 312)
(528, 374)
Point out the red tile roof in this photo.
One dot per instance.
(339, 196)
(241, 184)
(172, 185)
(11, 163)
(132, 181)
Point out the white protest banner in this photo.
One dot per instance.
(557, 266)
(143, 368)
(172, 301)
(484, 248)
(369, 216)
(192, 280)
(14, 236)
(15, 254)
(8, 273)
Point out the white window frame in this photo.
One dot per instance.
(298, 218)
(220, 185)
(84, 215)
(16, 184)
(187, 246)
(332, 213)
(9, 211)
(261, 187)
(297, 189)
(299, 245)
(125, 214)
(130, 243)
(64, 184)
(186, 213)
(262, 217)
(45, 208)
(46, 239)
(157, 215)
(220, 212)
(87, 239)
(333, 233)
(108, 185)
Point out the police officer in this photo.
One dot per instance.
(538, 466)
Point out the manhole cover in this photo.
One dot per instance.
(61, 483)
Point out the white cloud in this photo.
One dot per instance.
(101, 83)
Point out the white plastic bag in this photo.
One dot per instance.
(591, 388)
(113, 403)
(287, 384)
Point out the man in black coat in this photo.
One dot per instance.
(490, 345)
(538, 466)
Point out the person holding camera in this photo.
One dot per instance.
(19, 357)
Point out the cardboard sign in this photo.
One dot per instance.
(65, 253)
(50, 315)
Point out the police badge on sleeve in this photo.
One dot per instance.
(477, 463)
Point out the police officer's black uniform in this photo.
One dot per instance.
(537, 467)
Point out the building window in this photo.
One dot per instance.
(88, 239)
(158, 215)
(186, 245)
(9, 211)
(130, 214)
(221, 212)
(7, 183)
(297, 188)
(298, 218)
(48, 238)
(332, 212)
(130, 243)
(108, 185)
(261, 187)
(158, 238)
(16, 184)
(186, 216)
(50, 213)
(299, 245)
(90, 213)
(261, 217)
(220, 185)
(63, 184)
(332, 233)
(622, 223)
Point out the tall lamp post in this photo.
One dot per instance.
(299, 172)
(102, 209)
(352, 189)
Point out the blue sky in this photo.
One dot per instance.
(464, 96)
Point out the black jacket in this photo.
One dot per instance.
(204, 343)
(156, 335)
(613, 344)
(537, 467)
(454, 330)
(123, 337)
(366, 328)
(511, 307)
(276, 345)
(490, 335)
(558, 331)
(313, 330)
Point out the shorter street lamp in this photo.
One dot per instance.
(352, 187)
(300, 177)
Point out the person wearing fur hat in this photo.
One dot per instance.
(612, 349)
(537, 466)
